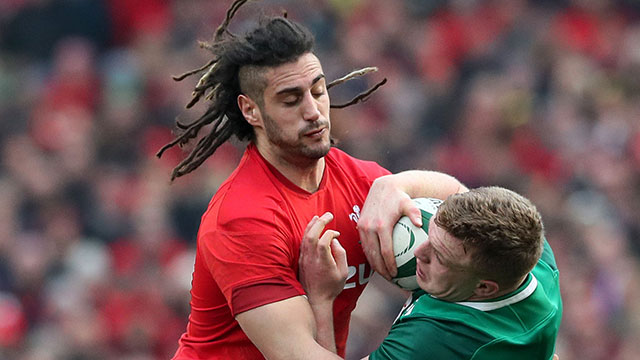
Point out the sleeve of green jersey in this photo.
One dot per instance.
(424, 338)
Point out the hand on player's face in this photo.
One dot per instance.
(384, 206)
(323, 261)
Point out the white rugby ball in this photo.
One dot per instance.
(406, 238)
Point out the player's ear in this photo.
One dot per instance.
(486, 289)
(249, 110)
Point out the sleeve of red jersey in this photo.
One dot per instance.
(377, 171)
(372, 170)
(369, 170)
(251, 268)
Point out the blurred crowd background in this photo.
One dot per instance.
(97, 246)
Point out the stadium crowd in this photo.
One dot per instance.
(97, 246)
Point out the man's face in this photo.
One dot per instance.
(444, 267)
(296, 110)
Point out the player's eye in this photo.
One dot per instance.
(317, 91)
(437, 256)
(291, 100)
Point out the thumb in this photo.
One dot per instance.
(414, 214)
(339, 255)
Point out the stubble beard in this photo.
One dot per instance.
(296, 148)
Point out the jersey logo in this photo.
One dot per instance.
(355, 215)
(362, 278)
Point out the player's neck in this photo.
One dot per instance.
(307, 178)
(303, 172)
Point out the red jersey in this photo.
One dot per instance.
(249, 244)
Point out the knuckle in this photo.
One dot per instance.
(379, 226)
(363, 224)
(406, 201)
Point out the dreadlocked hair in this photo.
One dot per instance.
(276, 41)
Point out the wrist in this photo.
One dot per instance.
(323, 314)
(320, 302)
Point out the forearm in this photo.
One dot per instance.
(323, 273)
(284, 330)
(424, 183)
(377, 308)
(323, 314)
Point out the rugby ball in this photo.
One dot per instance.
(406, 237)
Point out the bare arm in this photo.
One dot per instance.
(323, 273)
(389, 199)
(377, 308)
(299, 327)
(284, 330)
(323, 270)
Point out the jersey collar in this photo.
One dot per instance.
(252, 148)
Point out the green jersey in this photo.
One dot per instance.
(521, 325)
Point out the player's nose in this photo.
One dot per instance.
(310, 108)
(423, 252)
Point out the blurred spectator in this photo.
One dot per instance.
(34, 27)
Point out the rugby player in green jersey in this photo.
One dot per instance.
(488, 281)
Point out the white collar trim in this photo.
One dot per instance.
(489, 306)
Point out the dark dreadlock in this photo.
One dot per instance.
(276, 41)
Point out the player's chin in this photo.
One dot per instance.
(424, 286)
(317, 150)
